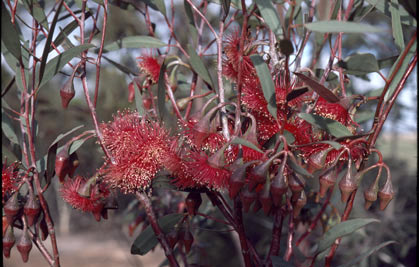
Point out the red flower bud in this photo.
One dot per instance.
(265, 197)
(62, 164)
(67, 92)
(247, 198)
(296, 184)
(327, 180)
(188, 240)
(348, 184)
(258, 174)
(31, 209)
(370, 195)
(299, 204)
(8, 241)
(317, 160)
(237, 178)
(24, 246)
(193, 201)
(386, 194)
(279, 187)
(11, 209)
(131, 92)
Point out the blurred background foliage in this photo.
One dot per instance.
(216, 248)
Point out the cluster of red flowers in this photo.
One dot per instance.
(9, 179)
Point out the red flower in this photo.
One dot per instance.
(70, 194)
(206, 171)
(138, 148)
(150, 66)
(9, 178)
(332, 111)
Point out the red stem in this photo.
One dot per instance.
(238, 216)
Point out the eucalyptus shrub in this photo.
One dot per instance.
(227, 124)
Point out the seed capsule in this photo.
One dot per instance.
(193, 201)
(247, 198)
(24, 246)
(31, 209)
(386, 194)
(327, 180)
(347, 185)
(8, 241)
(11, 209)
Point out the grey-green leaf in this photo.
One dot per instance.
(266, 82)
(9, 35)
(340, 230)
(366, 254)
(156, 5)
(400, 71)
(35, 9)
(198, 66)
(147, 239)
(270, 15)
(58, 62)
(7, 128)
(336, 26)
(139, 41)
(359, 64)
(161, 93)
(244, 142)
(333, 127)
(396, 24)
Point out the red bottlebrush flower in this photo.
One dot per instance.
(150, 66)
(332, 111)
(138, 148)
(9, 179)
(207, 171)
(266, 125)
(70, 194)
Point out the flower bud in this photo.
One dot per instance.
(347, 185)
(386, 194)
(62, 164)
(24, 245)
(193, 201)
(299, 204)
(265, 197)
(317, 160)
(258, 174)
(279, 187)
(11, 209)
(327, 180)
(188, 240)
(237, 179)
(67, 92)
(8, 241)
(370, 195)
(131, 92)
(31, 209)
(296, 184)
(247, 198)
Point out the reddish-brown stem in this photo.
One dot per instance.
(145, 201)
(238, 216)
(213, 218)
(315, 220)
(290, 247)
(276, 236)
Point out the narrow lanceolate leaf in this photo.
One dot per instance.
(121, 67)
(357, 260)
(333, 127)
(359, 64)
(266, 82)
(340, 230)
(270, 15)
(241, 141)
(67, 31)
(336, 26)
(198, 66)
(396, 24)
(161, 93)
(400, 71)
(328, 95)
(296, 93)
(9, 35)
(7, 128)
(37, 12)
(48, 43)
(58, 62)
(156, 5)
(138, 100)
(134, 42)
(74, 146)
(147, 239)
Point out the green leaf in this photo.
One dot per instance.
(156, 5)
(336, 26)
(35, 9)
(74, 146)
(147, 239)
(386, 62)
(138, 100)
(266, 82)
(47, 46)
(58, 62)
(270, 15)
(120, 67)
(139, 41)
(67, 31)
(396, 24)
(341, 229)
(9, 34)
(279, 262)
(384, 7)
(359, 64)
(400, 71)
(161, 92)
(298, 168)
(334, 144)
(244, 142)
(366, 254)
(198, 66)
(333, 127)
(328, 95)
(361, 117)
(7, 128)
